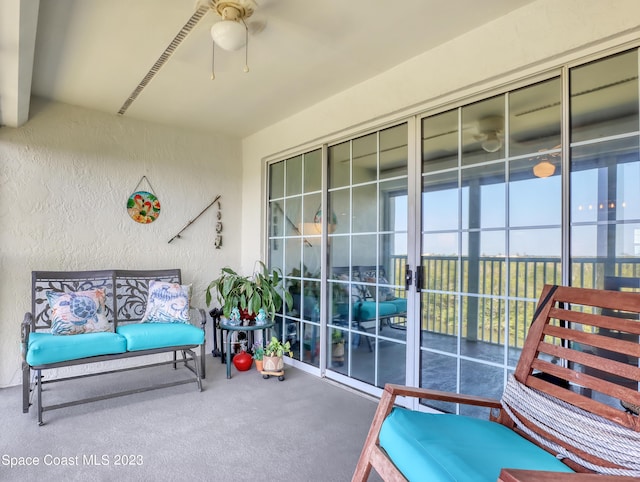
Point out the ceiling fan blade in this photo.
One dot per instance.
(175, 43)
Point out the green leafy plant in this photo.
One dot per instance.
(258, 351)
(336, 336)
(310, 288)
(276, 348)
(263, 289)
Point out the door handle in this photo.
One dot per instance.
(408, 278)
(419, 278)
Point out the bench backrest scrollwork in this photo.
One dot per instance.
(126, 291)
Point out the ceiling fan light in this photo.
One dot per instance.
(229, 35)
(492, 143)
(544, 169)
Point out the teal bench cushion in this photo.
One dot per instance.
(146, 336)
(46, 348)
(448, 448)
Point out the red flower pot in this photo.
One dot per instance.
(242, 361)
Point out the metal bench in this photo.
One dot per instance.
(126, 297)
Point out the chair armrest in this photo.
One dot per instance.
(26, 327)
(404, 391)
(201, 319)
(519, 475)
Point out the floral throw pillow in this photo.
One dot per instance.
(384, 292)
(78, 312)
(167, 303)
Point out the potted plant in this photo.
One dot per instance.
(258, 354)
(273, 353)
(263, 289)
(337, 347)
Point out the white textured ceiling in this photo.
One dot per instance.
(93, 53)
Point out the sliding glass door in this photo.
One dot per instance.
(367, 251)
(416, 252)
(491, 234)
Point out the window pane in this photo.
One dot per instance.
(293, 255)
(533, 201)
(364, 208)
(491, 386)
(339, 165)
(276, 258)
(440, 244)
(604, 97)
(483, 320)
(604, 181)
(311, 258)
(293, 216)
(483, 254)
(520, 317)
(294, 175)
(338, 253)
(605, 178)
(393, 256)
(483, 131)
(440, 202)
(535, 260)
(393, 205)
(483, 197)
(544, 243)
(440, 324)
(439, 372)
(276, 216)
(391, 363)
(339, 205)
(393, 152)
(363, 250)
(312, 218)
(534, 118)
(313, 171)
(365, 159)
(440, 142)
(276, 180)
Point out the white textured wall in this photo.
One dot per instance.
(527, 41)
(65, 177)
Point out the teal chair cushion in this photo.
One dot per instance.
(45, 348)
(399, 303)
(366, 310)
(455, 448)
(146, 336)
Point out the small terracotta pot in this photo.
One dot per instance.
(259, 365)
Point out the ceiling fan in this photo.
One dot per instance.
(230, 32)
(490, 133)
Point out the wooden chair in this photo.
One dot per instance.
(544, 402)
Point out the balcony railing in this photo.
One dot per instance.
(496, 292)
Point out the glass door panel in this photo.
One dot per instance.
(367, 257)
(295, 235)
(490, 233)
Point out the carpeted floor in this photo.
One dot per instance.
(243, 429)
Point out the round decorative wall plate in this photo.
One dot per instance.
(143, 207)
